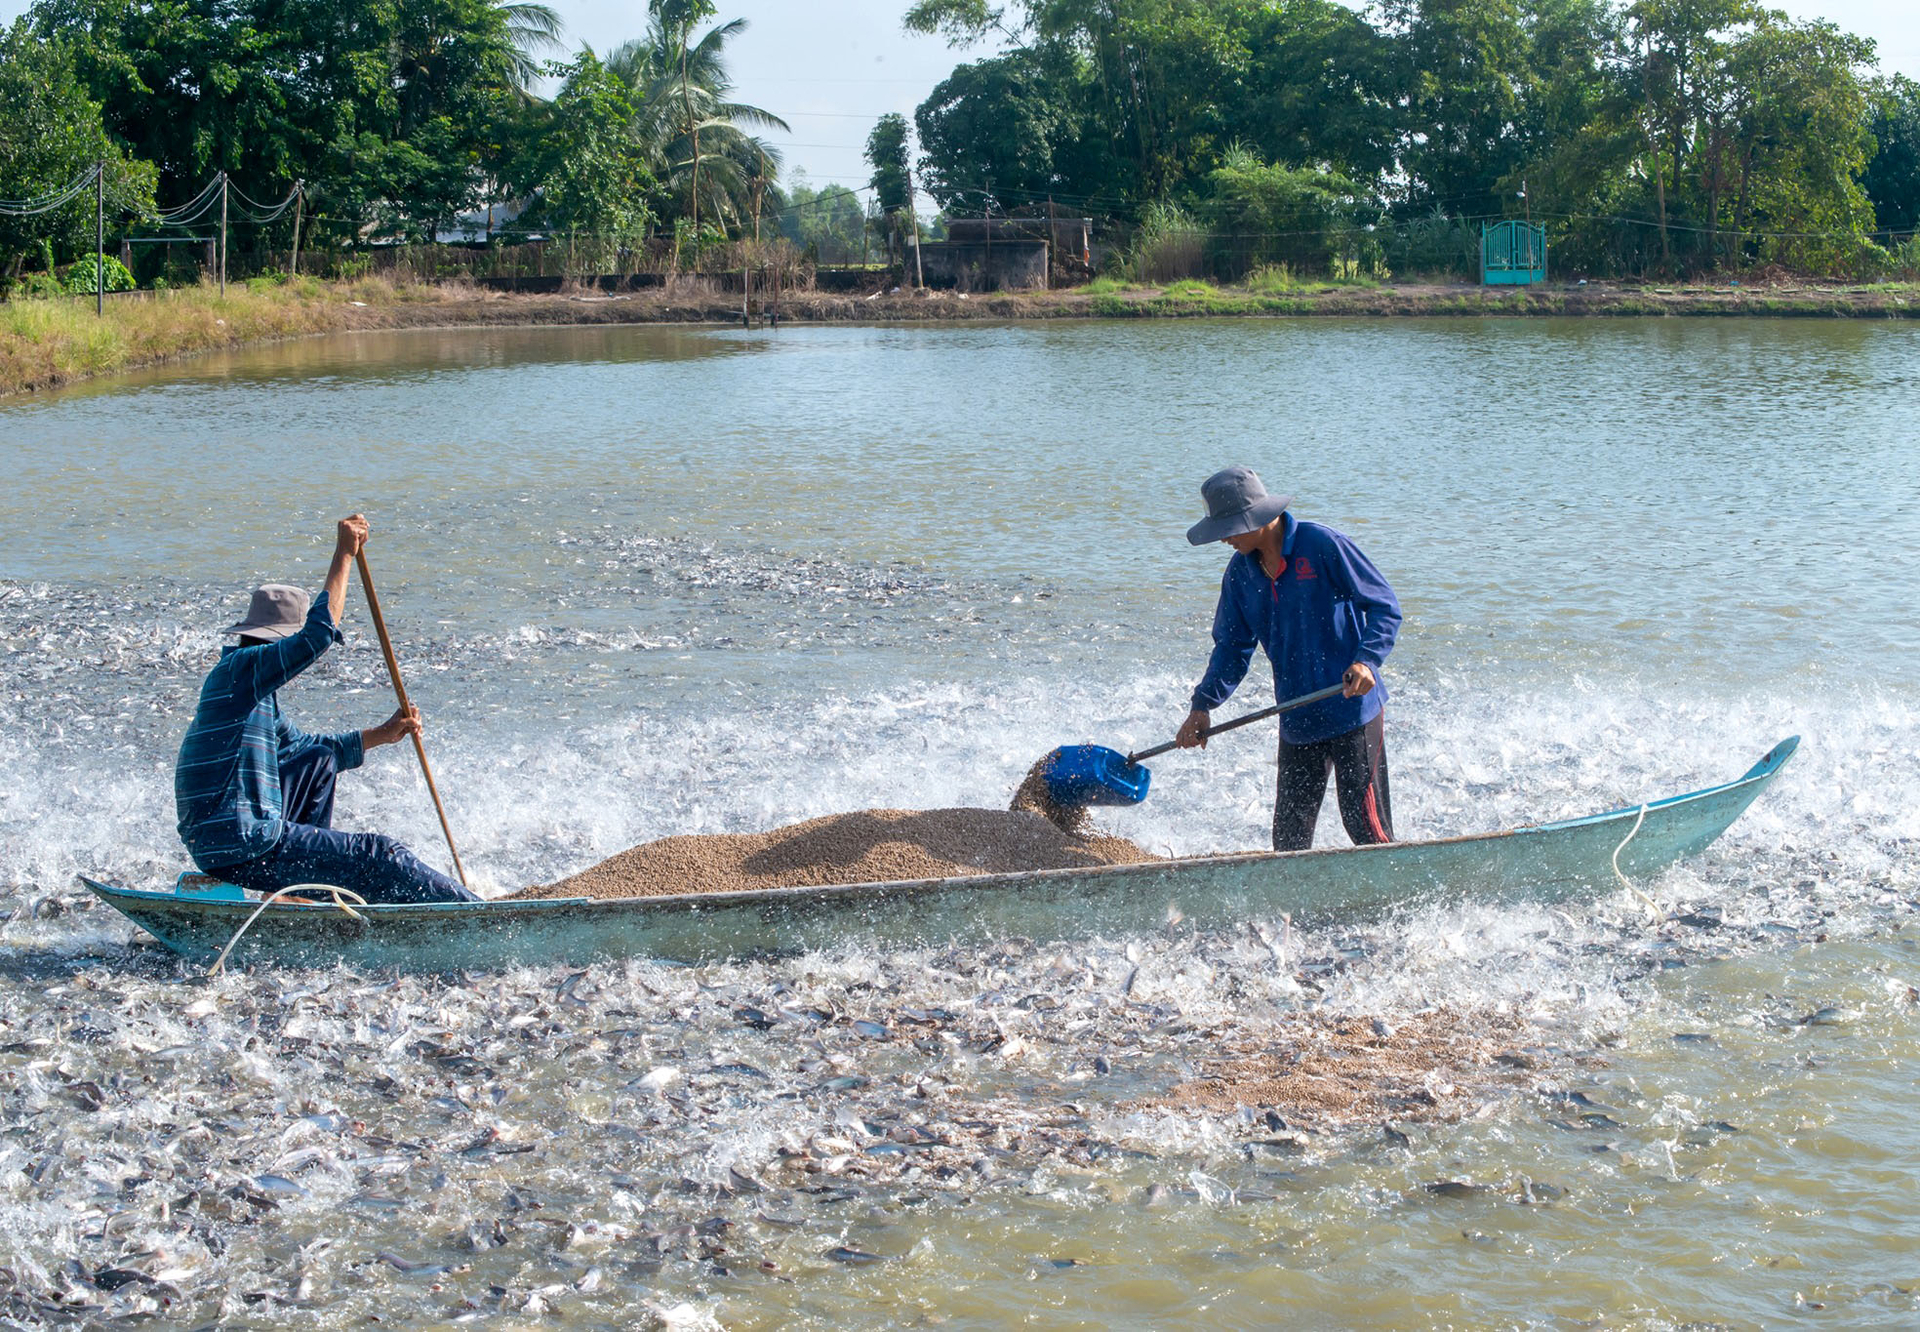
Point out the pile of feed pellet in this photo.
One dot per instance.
(869, 846)
(1335, 1071)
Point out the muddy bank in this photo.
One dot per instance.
(458, 306)
(44, 344)
(868, 846)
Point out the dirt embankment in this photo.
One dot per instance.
(44, 344)
(457, 306)
(869, 846)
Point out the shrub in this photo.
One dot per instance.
(1192, 290)
(1904, 258)
(80, 277)
(1268, 279)
(1264, 214)
(40, 284)
(1435, 245)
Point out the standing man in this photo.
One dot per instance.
(255, 794)
(1308, 596)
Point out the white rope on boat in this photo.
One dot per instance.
(1633, 832)
(339, 894)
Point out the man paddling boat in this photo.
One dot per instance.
(254, 793)
(1306, 594)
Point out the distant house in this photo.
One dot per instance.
(1004, 253)
(1071, 237)
(477, 228)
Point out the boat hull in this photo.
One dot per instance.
(1545, 863)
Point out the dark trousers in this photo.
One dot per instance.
(1358, 762)
(310, 851)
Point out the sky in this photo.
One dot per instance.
(830, 68)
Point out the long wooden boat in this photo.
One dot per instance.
(1547, 862)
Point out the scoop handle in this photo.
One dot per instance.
(1317, 696)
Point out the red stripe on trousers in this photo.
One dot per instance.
(1373, 816)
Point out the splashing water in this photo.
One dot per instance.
(1711, 1100)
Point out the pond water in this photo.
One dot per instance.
(654, 581)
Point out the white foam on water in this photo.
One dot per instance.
(88, 747)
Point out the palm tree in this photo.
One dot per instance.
(531, 28)
(681, 87)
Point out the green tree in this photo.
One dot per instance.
(828, 223)
(997, 134)
(887, 154)
(1318, 84)
(892, 180)
(1468, 73)
(54, 134)
(1798, 146)
(388, 110)
(585, 168)
(1892, 177)
(675, 19)
(1682, 50)
(1153, 75)
(696, 136)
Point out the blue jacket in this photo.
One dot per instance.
(226, 784)
(1328, 609)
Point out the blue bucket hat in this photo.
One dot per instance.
(1236, 503)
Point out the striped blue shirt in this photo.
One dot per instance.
(226, 784)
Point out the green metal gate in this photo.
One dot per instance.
(1512, 253)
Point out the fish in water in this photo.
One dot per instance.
(852, 1257)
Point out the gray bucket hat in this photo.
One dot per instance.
(1236, 503)
(277, 611)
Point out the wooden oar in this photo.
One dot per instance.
(400, 692)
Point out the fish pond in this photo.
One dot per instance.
(658, 581)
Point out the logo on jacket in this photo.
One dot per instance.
(1303, 567)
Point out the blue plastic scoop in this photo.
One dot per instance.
(1082, 775)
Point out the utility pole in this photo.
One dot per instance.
(100, 240)
(986, 216)
(759, 184)
(223, 235)
(1053, 239)
(919, 273)
(299, 205)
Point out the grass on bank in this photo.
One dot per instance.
(1270, 289)
(47, 342)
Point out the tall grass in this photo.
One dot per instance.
(52, 341)
(1169, 246)
(1279, 280)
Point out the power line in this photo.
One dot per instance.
(48, 203)
(272, 212)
